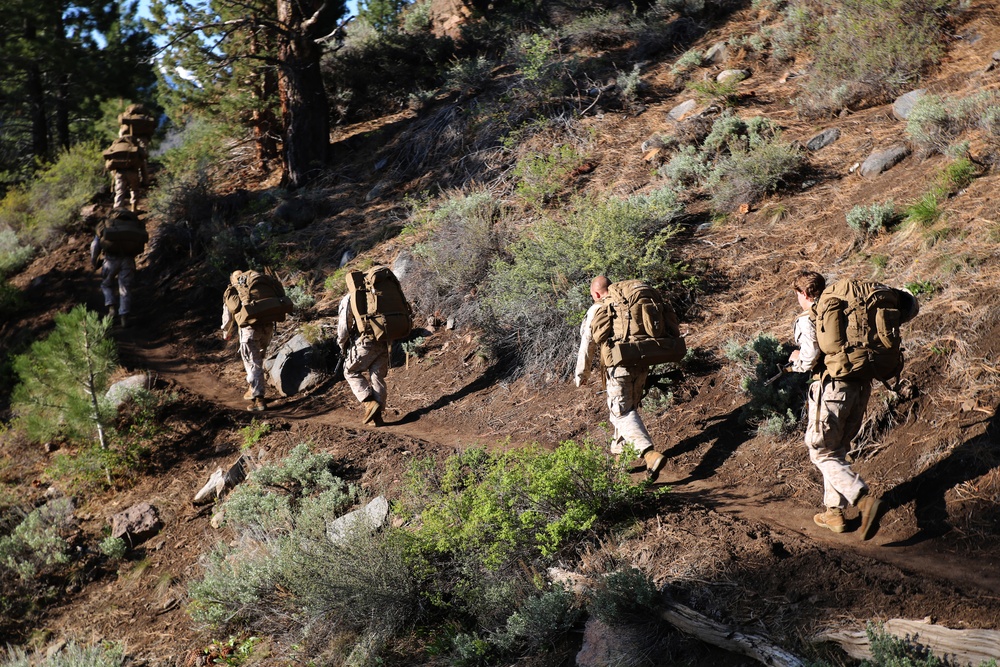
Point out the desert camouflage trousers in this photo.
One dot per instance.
(836, 410)
(116, 282)
(367, 356)
(127, 183)
(624, 396)
(253, 347)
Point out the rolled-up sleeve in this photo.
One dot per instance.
(343, 320)
(588, 348)
(805, 338)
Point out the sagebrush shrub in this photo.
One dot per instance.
(626, 596)
(601, 29)
(773, 408)
(688, 166)
(54, 197)
(689, 60)
(105, 654)
(870, 49)
(870, 220)
(13, 254)
(542, 175)
(746, 175)
(535, 298)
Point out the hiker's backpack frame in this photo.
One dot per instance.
(635, 327)
(124, 155)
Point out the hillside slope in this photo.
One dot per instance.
(734, 539)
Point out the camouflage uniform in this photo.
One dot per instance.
(624, 387)
(364, 355)
(253, 346)
(117, 274)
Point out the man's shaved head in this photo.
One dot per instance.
(599, 287)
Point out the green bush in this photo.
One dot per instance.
(889, 651)
(601, 29)
(687, 167)
(541, 176)
(924, 212)
(53, 198)
(36, 545)
(626, 596)
(539, 622)
(770, 409)
(71, 655)
(867, 221)
(534, 299)
(113, 547)
(688, 61)
(870, 50)
(748, 174)
(13, 254)
(63, 379)
(523, 504)
(711, 91)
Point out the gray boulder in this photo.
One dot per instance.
(402, 265)
(369, 518)
(136, 524)
(292, 368)
(823, 139)
(903, 105)
(296, 212)
(880, 161)
(125, 390)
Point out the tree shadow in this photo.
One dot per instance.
(725, 433)
(970, 460)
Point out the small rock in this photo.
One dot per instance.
(732, 75)
(904, 104)
(126, 389)
(881, 161)
(292, 367)
(346, 257)
(823, 139)
(652, 143)
(717, 53)
(995, 57)
(217, 519)
(450, 324)
(808, 184)
(682, 111)
(371, 517)
(136, 524)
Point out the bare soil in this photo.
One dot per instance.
(735, 537)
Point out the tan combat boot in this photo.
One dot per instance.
(371, 409)
(832, 518)
(869, 506)
(258, 405)
(654, 463)
(249, 395)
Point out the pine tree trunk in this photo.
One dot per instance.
(303, 98)
(36, 104)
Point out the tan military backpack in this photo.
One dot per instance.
(124, 154)
(857, 328)
(635, 327)
(256, 298)
(122, 234)
(379, 306)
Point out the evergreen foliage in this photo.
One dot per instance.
(63, 379)
(59, 61)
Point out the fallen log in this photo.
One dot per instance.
(970, 647)
(711, 632)
(701, 627)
